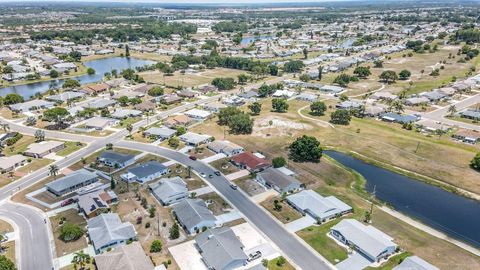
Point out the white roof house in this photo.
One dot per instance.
(169, 190)
(194, 138)
(225, 147)
(320, 208)
(415, 263)
(366, 239)
(198, 114)
(124, 113)
(99, 123)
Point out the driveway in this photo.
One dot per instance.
(214, 157)
(300, 224)
(354, 262)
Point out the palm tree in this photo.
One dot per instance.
(81, 259)
(452, 110)
(53, 169)
(130, 128)
(6, 127)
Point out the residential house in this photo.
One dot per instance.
(467, 136)
(100, 123)
(414, 263)
(416, 101)
(471, 114)
(194, 215)
(250, 161)
(307, 97)
(162, 133)
(349, 105)
(398, 118)
(195, 139)
(214, 107)
(145, 106)
(41, 149)
(91, 204)
(102, 103)
(116, 160)
(145, 172)
(126, 113)
(178, 121)
(320, 208)
(198, 114)
(34, 104)
(225, 147)
(187, 93)
(125, 257)
(221, 249)
(170, 99)
(71, 182)
(275, 179)
(65, 96)
(365, 239)
(96, 88)
(107, 231)
(8, 164)
(169, 190)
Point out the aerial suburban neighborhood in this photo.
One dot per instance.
(239, 135)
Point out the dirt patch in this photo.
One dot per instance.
(273, 126)
(250, 186)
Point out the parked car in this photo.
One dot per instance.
(217, 173)
(203, 174)
(254, 255)
(67, 202)
(233, 186)
(193, 157)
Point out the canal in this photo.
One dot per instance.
(455, 215)
(101, 66)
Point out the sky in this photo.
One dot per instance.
(185, 1)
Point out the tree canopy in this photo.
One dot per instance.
(305, 149)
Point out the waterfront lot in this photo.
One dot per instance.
(436, 157)
(190, 79)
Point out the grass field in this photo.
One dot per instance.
(70, 147)
(286, 214)
(417, 63)
(190, 79)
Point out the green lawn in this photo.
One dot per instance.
(272, 265)
(19, 146)
(35, 165)
(70, 147)
(392, 262)
(316, 236)
(125, 122)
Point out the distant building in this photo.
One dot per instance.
(160, 132)
(225, 147)
(10, 163)
(195, 139)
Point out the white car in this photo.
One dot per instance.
(203, 174)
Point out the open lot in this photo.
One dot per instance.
(69, 216)
(286, 214)
(190, 79)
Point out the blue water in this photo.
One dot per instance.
(100, 66)
(247, 40)
(452, 214)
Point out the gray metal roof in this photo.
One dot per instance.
(220, 247)
(71, 180)
(368, 238)
(168, 187)
(320, 206)
(115, 156)
(415, 263)
(128, 257)
(163, 132)
(277, 178)
(108, 228)
(147, 168)
(191, 212)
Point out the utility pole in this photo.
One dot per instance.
(158, 225)
(418, 145)
(371, 200)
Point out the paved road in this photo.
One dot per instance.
(287, 242)
(26, 219)
(438, 115)
(34, 242)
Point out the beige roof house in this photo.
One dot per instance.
(42, 149)
(127, 257)
(10, 163)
